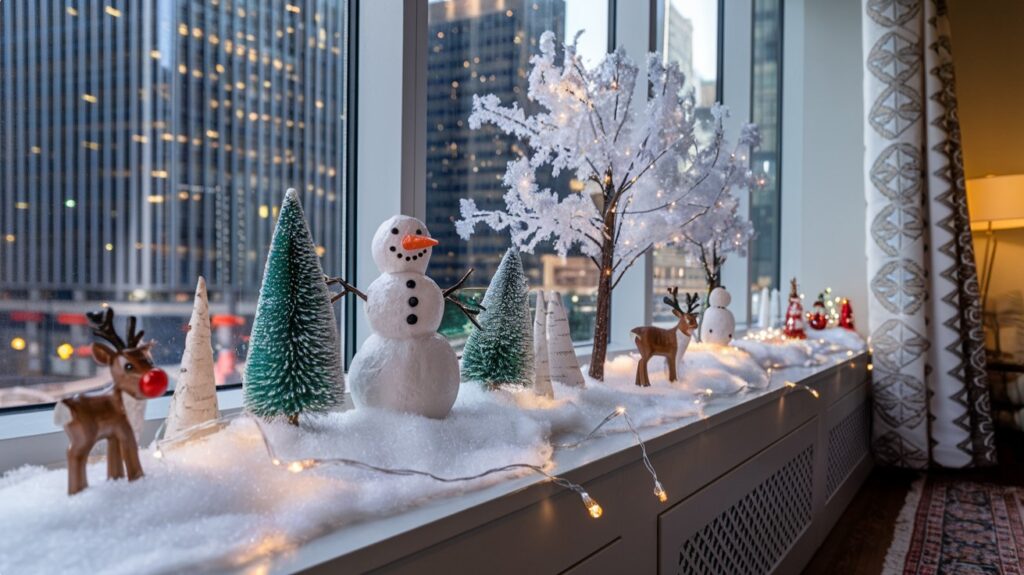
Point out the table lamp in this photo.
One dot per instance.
(994, 203)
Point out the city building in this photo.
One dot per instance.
(130, 135)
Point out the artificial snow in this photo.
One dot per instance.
(220, 498)
(781, 352)
(219, 502)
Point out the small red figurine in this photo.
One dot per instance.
(846, 315)
(817, 318)
(793, 328)
(89, 417)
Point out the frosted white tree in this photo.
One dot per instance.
(647, 175)
(195, 393)
(721, 230)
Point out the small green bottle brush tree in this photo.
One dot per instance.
(501, 351)
(294, 360)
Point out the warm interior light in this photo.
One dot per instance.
(996, 202)
(18, 344)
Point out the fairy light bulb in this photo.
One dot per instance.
(158, 454)
(276, 461)
(592, 507)
(620, 410)
(659, 491)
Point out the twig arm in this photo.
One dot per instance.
(458, 285)
(449, 296)
(347, 288)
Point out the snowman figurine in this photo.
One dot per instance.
(405, 365)
(718, 323)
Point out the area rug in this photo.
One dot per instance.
(958, 527)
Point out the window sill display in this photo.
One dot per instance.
(294, 467)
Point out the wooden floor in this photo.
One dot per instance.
(858, 543)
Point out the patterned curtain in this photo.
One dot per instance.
(931, 402)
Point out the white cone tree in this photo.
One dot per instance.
(195, 393)
(563, 364)
(647, 174)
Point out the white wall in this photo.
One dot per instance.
(823, 206)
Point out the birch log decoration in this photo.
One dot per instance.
(542, 368)
(195, 395)
(562, 362)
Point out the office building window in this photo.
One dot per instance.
(766, 107)
(687, 35)
(143, 144)
(481, 47)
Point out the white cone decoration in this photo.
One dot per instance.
(542, 368)
(562, 361)
(764, 315)
(195, 395)
(776, 303)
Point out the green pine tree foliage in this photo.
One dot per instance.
(294, 360)
(501, 352)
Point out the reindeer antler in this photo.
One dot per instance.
(692, 301)
(672, 302)
(103, 326)
(133, 338)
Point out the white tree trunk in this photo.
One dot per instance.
(562, 361)
(542, 368)
(195, 395)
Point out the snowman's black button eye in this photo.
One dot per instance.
(410, 284)
(711, 331)
(411, 319)
(392, 248)
(414, 301)
(394, 231)
(419, 232)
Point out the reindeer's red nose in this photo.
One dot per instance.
(154, 383)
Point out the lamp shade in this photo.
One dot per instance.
(996, 202)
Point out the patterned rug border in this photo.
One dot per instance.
(921, 510)
(896, 557)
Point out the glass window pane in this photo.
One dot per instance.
(687, 34)
(143, 144)
(481, 47)
(766, 106)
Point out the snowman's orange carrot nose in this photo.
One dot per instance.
(417, 242)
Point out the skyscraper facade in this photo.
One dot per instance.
(145, 143)
(481, 47)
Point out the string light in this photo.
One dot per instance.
(794, 386)
(592, 506)
(300, 465)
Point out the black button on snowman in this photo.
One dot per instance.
(405, 365)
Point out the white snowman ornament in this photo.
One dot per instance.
(405, 365)
(718, 324)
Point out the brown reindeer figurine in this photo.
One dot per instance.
(92, 416)
(652, 341)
